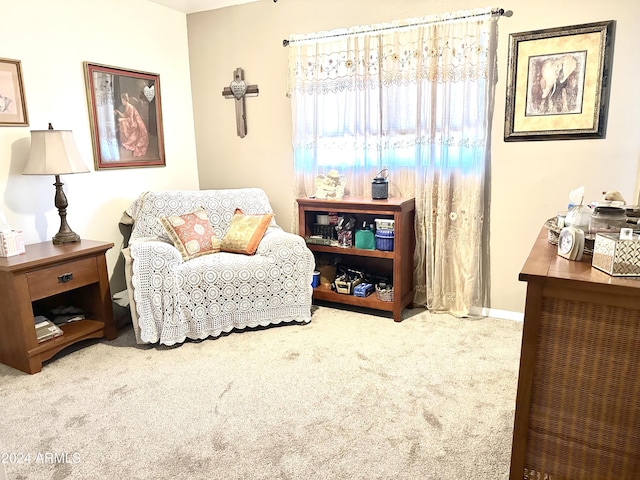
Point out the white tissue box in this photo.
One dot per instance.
(11, 243)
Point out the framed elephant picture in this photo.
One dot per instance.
(558, 83)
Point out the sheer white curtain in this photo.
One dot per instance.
(416, 97)
(106, 117)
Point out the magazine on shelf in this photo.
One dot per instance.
(66, 314)
(60, 319)
(46, 329)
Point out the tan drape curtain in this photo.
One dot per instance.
(415, 97)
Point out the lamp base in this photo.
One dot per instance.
(61, 238)
(65, 234)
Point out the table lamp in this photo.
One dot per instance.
(54, 152)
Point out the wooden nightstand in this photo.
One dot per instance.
(47, 276)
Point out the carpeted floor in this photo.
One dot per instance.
(349, 396)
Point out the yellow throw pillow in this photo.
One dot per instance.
(191, 233)
(245, 232)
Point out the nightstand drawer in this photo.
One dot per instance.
(62, 278)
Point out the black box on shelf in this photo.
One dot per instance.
(325, 231)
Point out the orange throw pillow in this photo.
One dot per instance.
(245, 232)
(191, 233)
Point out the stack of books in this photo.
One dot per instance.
(46, 329)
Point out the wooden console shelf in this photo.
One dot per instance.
(577, 407)
(397, 264)
(73, 274)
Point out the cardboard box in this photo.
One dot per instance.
(11, 243)
(619, 258)
(327, 274)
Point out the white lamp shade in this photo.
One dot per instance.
(53, 152)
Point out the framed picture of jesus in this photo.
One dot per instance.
(126, 117)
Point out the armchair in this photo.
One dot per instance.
(173, 299)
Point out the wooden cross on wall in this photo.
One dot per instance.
(238, 89)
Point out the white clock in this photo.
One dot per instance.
(571, 243)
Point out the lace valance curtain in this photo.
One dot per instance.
(399, 52)
(415, 97)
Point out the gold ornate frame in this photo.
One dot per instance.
(119, 127)
(13, 104)
(558, 81)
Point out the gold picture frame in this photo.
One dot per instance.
(13, 104)
(558, 82)
(126, 117)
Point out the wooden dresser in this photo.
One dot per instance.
(578, 401)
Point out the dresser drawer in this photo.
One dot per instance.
(62, 278)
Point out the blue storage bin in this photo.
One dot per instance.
(363, 290)
(384, 240)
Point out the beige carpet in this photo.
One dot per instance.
(348, 396)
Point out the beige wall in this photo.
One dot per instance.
(530, 180)
(52, 39)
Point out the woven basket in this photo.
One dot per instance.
(385, 295)
(384, 240)
(553, 233)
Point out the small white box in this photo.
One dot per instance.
(11, 243)
(385, 223)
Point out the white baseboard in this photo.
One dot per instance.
(502, 314)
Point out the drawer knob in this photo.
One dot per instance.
(65, 277)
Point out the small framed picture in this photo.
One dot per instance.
(126, 117)
(557, 82)
(13, 105)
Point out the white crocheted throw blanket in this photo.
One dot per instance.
(172, 299)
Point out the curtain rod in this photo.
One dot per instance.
(498, 11)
